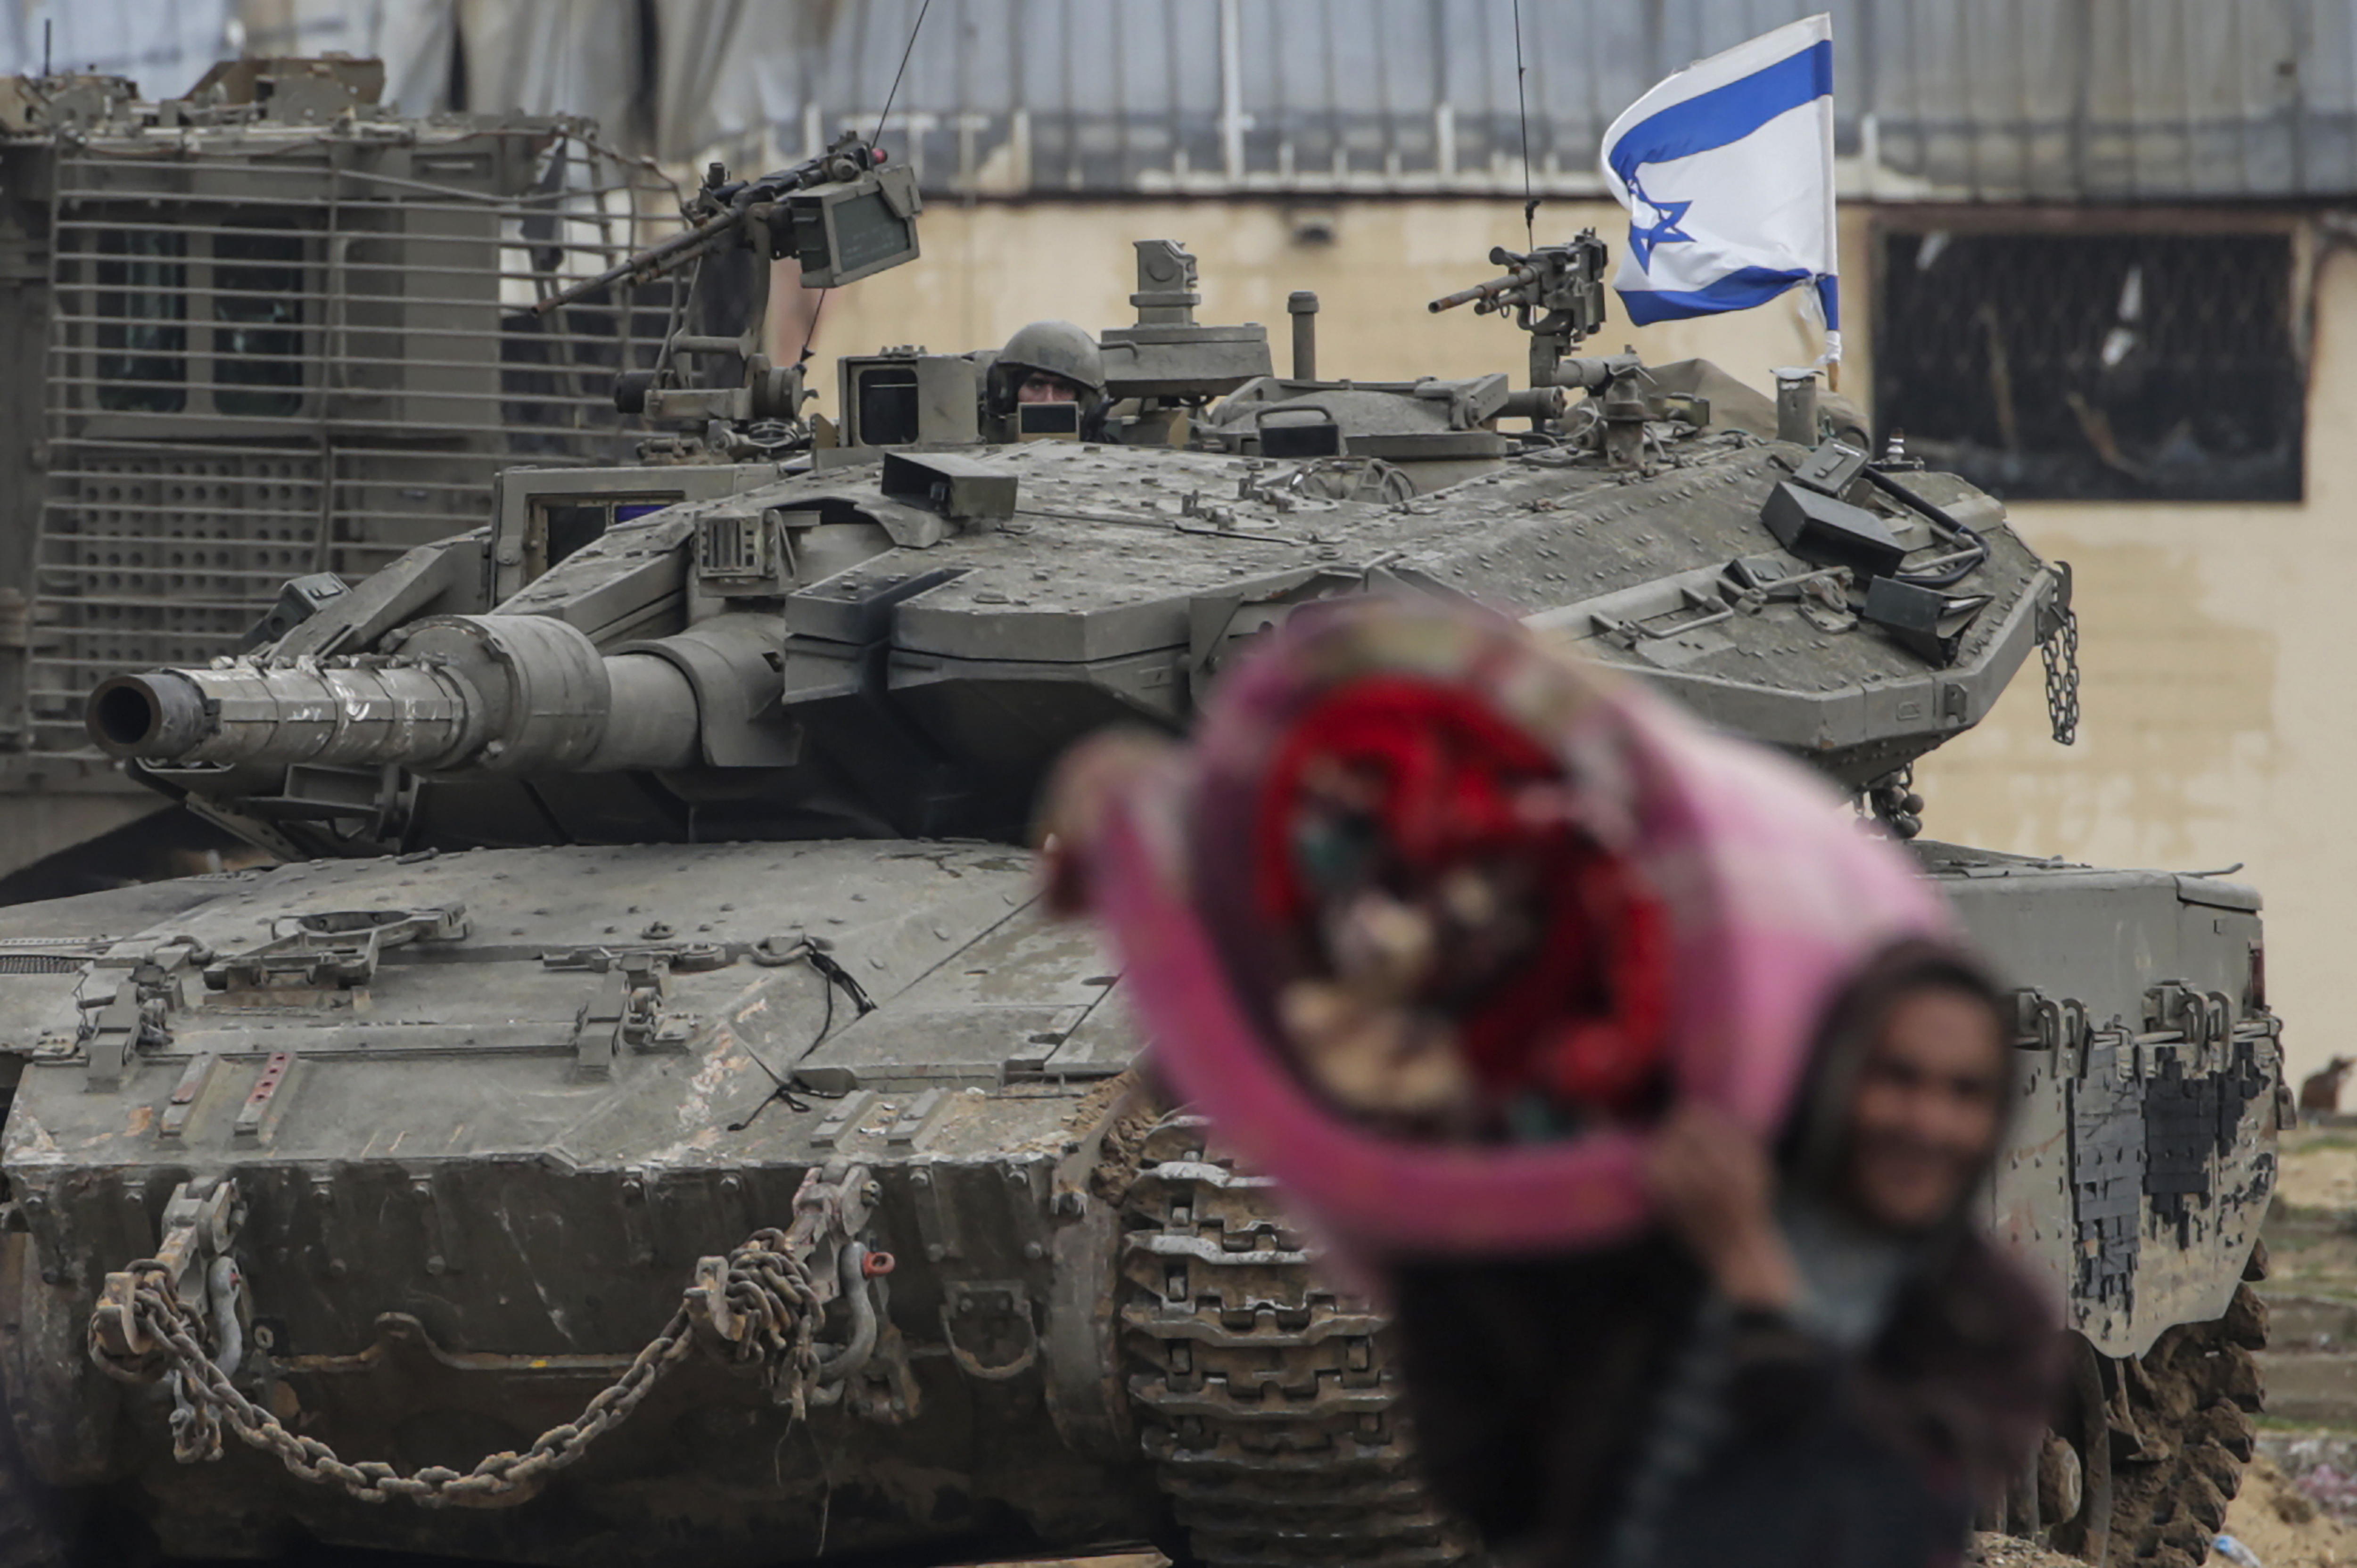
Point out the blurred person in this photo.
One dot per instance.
(1817, 1357)
(1653, 1096)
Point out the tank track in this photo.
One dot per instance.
(2192, 1395)
(1262, 1395)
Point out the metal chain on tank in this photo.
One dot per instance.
(2060, 651)
(1894, 803)
(765, 1284)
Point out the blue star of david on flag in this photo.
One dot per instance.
(1726, 169)
(1663, 231)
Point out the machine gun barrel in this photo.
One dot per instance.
(726, 208)
(1496, 289)
(644, 266)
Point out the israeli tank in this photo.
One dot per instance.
(655, 923)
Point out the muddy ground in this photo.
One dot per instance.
(2298, 1509)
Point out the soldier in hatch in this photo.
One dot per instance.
(1049, 361)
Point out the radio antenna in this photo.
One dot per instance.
(1523, 113)
(889, 93)
(894, 90)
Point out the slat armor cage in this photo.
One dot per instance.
(281, 349)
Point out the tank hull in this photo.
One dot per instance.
(454, 1236)
(2144, 1150)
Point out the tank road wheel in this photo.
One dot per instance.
(2074, 1465)
(2190, 1397)
(1262, 1395)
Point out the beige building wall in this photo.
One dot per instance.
(2216, 641)
(988, 269)
(2220, 654)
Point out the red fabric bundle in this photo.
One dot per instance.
(1583, 1019)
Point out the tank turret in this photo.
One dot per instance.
(902, 628)
(920, 631)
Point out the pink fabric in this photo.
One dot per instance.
(1776, 895)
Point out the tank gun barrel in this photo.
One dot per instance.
(1494, 290)
(248, 711)
(490, 694)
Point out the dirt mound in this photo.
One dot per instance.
(2283, 1526)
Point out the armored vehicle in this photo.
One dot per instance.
(270, 330)
(649, 1104)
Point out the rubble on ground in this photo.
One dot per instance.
(1992, 1551)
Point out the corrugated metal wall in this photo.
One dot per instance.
(1997, 100)
(2064, 99)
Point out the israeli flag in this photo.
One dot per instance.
(1726, 171)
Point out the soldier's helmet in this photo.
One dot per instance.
(1057, 347)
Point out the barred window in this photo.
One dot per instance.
(2142, 366)
(258, 286)
(142, 309)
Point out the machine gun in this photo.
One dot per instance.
(844, 215)
(1556, 293)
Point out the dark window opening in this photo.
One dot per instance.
(1301, 438)
(887, 406)
(257, 324)
(1047, 419)
(143, 308)
(2093, 367)
(569, 527)
(557, 528)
